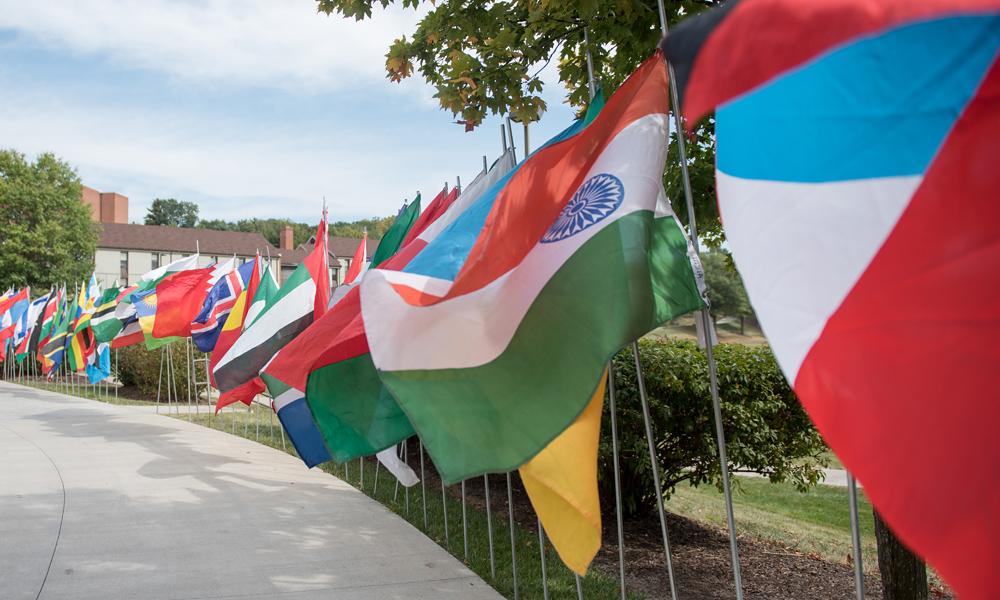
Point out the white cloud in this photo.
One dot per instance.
(337, 128)
(263, 42)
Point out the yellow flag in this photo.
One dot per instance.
(561, 482)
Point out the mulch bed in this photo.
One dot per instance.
(700, 555)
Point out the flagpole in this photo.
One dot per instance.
(406, 459)
(159, 383)
(444, 511)
(859, 569)
(713, 378)
(618, 486)
(187, 366)
(423, 484)
(541, 554)
(592, 88)
(489, 525)
(655, 465)
(513, 547)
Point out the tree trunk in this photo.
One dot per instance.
(904, 576)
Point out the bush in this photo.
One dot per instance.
(767, 431)
(141, 368)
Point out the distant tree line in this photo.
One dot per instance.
(178, 213)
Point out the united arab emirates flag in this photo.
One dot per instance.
(329, 335)
(579, 254)
(291, 310)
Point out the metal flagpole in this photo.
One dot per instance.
(859, 569)
(159, 383)
(489, 525)
(375, 487)
(513, 548)
(173, 379)
(618, 486)
(541, 555)
(423, 484)
(187, 365)
(406, 459)
(655, 465)
(395, 489)
(465, 526)
(706, 321)
(592, 87)
(117, 374)
(444, 511)
(361, 467)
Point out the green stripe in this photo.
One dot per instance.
(628, 279)
(355, 413)
(397, 232)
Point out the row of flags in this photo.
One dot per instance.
(864, 226)
(483, 324)
(54, 327)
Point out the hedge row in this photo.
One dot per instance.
(766, 429)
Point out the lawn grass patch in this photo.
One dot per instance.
(260, 424)
(814, 522)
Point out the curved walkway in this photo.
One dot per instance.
(106, 502)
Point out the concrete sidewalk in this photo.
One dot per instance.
(105, 502)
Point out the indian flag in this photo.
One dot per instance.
(578, 255)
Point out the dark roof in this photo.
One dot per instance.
(338, 246)
(345, 247)
(293, 258)
(128, 236)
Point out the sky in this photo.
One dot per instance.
(250, 108)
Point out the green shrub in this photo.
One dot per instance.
(141, 368)
(767, 431)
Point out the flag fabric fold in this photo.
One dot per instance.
(561, 482)
(339, 329)
(866, 235)
(291, 310)
(208, 323)
(578, 255)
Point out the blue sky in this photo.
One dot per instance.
(250, 108)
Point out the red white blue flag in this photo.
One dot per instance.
(857, 179)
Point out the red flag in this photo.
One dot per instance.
(318, 264)
(178, 300)
(358, 261)
(435, 209)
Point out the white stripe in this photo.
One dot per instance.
(287, 397)
(422, 283)
(475, 328)
(220, 271)
(801, 247)
(469, 195)
(298, 303)
(182, 264)
(399, 469)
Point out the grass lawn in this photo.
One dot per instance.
(815, 522)
(261, 425)
(85, 390)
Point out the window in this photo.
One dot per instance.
(123, 268)
(156, 260)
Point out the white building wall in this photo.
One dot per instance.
(107, 263)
